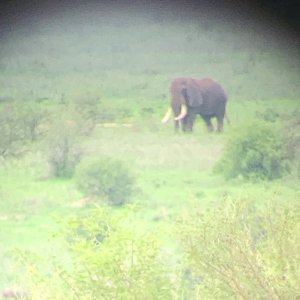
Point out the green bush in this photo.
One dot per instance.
(64, 151)
(255, 152)
(268, 115)
(33, 115)
(292, 140)
(19, 126)
(125, 264)
(237, 250)
(13, 139)
(107, 178)
(232, 250)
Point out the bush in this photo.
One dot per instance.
(33, 115)
(237, 250)
(292, 140)
(13, 136)
(268, 115)
(85, 111)
(107, 178)
(64, 150)
(125, 264)
(19, 122)
(231, 250)
(255, 152)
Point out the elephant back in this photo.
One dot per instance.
(211, 90)
(193, 93)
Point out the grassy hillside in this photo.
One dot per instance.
(135, 55)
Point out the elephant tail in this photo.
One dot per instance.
(227, 119)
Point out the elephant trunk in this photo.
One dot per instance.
(183, 112)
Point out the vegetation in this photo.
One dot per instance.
(233, 249)
(19, 126)
(110, 260)
(292, 141)
(107, 178)
(80, 121)
(64, 153)
(256, 152)
(239, 250)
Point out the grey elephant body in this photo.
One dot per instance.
(204, 97)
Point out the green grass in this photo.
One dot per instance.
(173, 172)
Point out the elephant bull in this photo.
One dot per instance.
(192, 97)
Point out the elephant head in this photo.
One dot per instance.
(191, 97)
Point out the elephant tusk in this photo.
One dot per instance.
(167, 116)
(183, 113)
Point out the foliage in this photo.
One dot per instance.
(19, 124)
(268, 115)
(292, 140)
(12, 131)
(33, 115)
(87, 110)
(236, 250)
(110, 260)
(64, 152)
(255, 152)
(105, 177)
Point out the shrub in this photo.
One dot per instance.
(125, 264)
(64, 152)
(107, 178)
(255, 152)
(268, 115)
(231, 250)
(86, 111)
(87, 106)
(13, 137)
(237, 250)
(33, 115)
(292, 140)
(19, 122)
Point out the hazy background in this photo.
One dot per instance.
(252, 48)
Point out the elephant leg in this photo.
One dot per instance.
(209, 125)
(220, 125)
(188, 122)
(176, 126)
(220, 116)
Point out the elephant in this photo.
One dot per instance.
(192, 97)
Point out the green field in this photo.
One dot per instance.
(117, 69)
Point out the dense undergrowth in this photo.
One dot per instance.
(233, 249)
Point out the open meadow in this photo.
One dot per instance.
(95, 84)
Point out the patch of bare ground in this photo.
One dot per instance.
(16, 217)
(82, 202)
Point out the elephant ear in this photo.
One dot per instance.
(194, 95)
